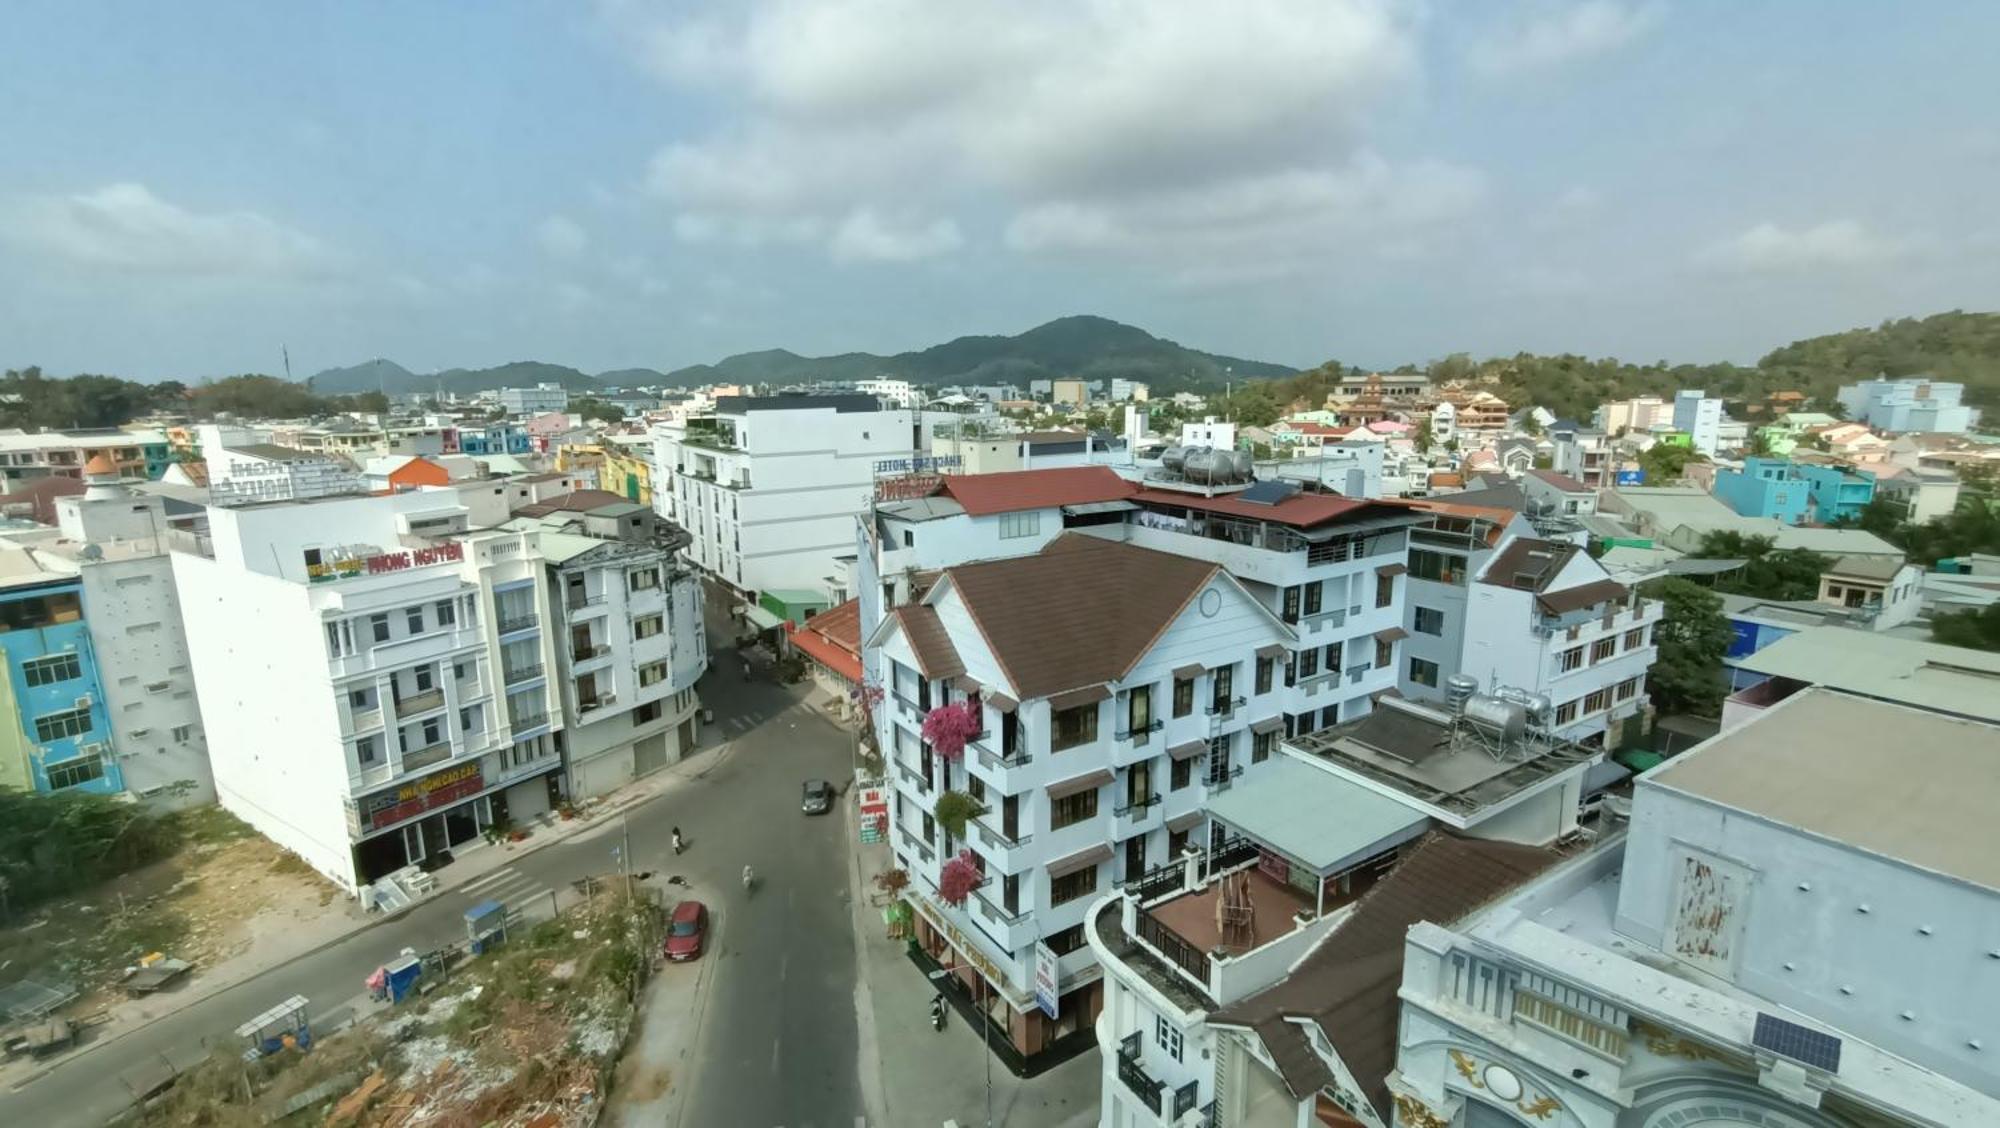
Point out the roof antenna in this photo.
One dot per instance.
(287, 353)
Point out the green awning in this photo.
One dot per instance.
(761, 619)
(1639, 759)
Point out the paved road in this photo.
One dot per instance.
(783, 996)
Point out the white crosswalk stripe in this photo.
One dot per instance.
(508, 886)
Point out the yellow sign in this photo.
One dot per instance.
(416, 789)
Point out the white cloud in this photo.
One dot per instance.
(1556, 35)
(126, 229)
(561, 236)
(865, 236)
(1770, 249)
(846, 112)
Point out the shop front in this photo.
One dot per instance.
(1025, 1038)
(426, 821)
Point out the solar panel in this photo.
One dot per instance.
(1269, 491)
(1802, 1045)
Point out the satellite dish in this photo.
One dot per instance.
(92, 553)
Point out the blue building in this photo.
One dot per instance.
(1765, 487)
(494, 438)
(60, 735)
(1794, 492)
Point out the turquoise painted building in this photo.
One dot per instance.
(55, 730)
(1795, 493)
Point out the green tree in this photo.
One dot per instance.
(1978, 629)
(1692, 637)
(1421, 435)
(596, 410)
(1665, 462)
(1768, 572)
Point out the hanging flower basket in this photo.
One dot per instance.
(948, 727)
(958, 879)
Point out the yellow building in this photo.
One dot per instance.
(623, 463)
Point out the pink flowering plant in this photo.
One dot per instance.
(959, 877)
(948, 727)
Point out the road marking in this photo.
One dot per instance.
(491, 878)
(508, 886)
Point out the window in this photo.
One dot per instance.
(465, 720)
(1440, 567)
(1628, 689)
(1572, 659)
(1261, 745)
(1016, 525)
(1565, 713)
(426, 680)
(1070, 886)
(433, 732)
(1601, 649)
(1265, 670)
(909, 538)
(1329, 716)
(1177, 842)
(1332, 661)
(380, 625)
(930, 827)
(1139, 712)
(183, 733)
(1183, 696)
(1064, 942)
(1308, 663)
(1634, 639)
(645, 579)
(1315, 592)
(70, 773)
(56, 726)
(1385, 653)
(1291, 606)
(1167, 1037)
(1071, 727)
(357, 698)
(1597, 701)
(366, 751)
(1222, 689)
(1385, 590)
(52, 669)
(1072, 809)
(1424, 672)
(652, 673)
(415, 616)
(1181, 774)
(1218, 759)
(460, 670)
(646, 714)
(1428, 620)
(648, 626)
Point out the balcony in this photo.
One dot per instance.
(1134, 814)
(417, 703)
(580, 655)
(522, 674)
(420, 758)
(1004, 851)
(1223, 710)
(528, 722)
(997, 763)
(596, 704)
(579, 608)
(510, 625)
(1135, 1078)
(1012, 931)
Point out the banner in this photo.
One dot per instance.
(1046, 991)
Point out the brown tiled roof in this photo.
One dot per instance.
(840, 624)
(1528, 563)
(1013, 490)
(1562, 482)
(936, 656)
(1088, 695)
(1348, 983)
(1301, 510)
(576, 501)
(1080, 613)
(1581, 596)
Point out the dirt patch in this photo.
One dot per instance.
(647, 1083)
(204, 905)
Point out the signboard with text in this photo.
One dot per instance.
(340, 568)
(1047, 993)
(439, 789)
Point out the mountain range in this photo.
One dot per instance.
(1089, 347)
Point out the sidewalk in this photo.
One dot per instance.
(274, 947)
(915, 1077)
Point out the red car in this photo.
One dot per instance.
(687, 930)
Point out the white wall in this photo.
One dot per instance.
(142, 655)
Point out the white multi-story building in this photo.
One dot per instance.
(25, 456)
(633, 644)
(767, 487)
(1129, 391)
(1700, 417)
(1637, 415)
(893, 393)
(1916, 403)
(1811, 953)
(245, 468)
(348, 654)
(538, 400)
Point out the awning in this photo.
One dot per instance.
(1082, 859)
(1190, 671)
(761, 619)
(1086, 508)
(1186, 822)
(1275, 650)
(1189, 750)
(1393, 634)
(1064, 788)
(1268, 724)
(1392, 569)
(1002, 702)
(1072, 698)
(965, 684)
(1314, 817)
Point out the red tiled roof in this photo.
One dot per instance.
(1014, 490)
(1302, 510)
(833, 639)
(1562, 482)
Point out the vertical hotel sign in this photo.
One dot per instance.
(1046, 992)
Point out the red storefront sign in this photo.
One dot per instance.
(440, 789)
(874, 801)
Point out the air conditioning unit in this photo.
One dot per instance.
(94, 748)
(84, 702)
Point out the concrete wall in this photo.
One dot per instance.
(1811, 924)
(136, 630)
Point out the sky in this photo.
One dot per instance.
(193, 190)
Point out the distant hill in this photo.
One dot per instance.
(1091, 347)
(1095, 348)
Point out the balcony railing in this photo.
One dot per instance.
(1168, 878)
(579, 602)
(1225, 708)
(1140, 734)
(1138, 1081)
(420, 703)
(528, 721)
(998, 914)
(425, 757)
(1174, 948)
(596, 703)
(518, 623)
(998, 839)
(589, 653)
(524, 673)
(1136, 809)
(993, 761)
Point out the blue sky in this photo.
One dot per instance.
(189, 187)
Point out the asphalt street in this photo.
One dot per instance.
(778, 1042)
